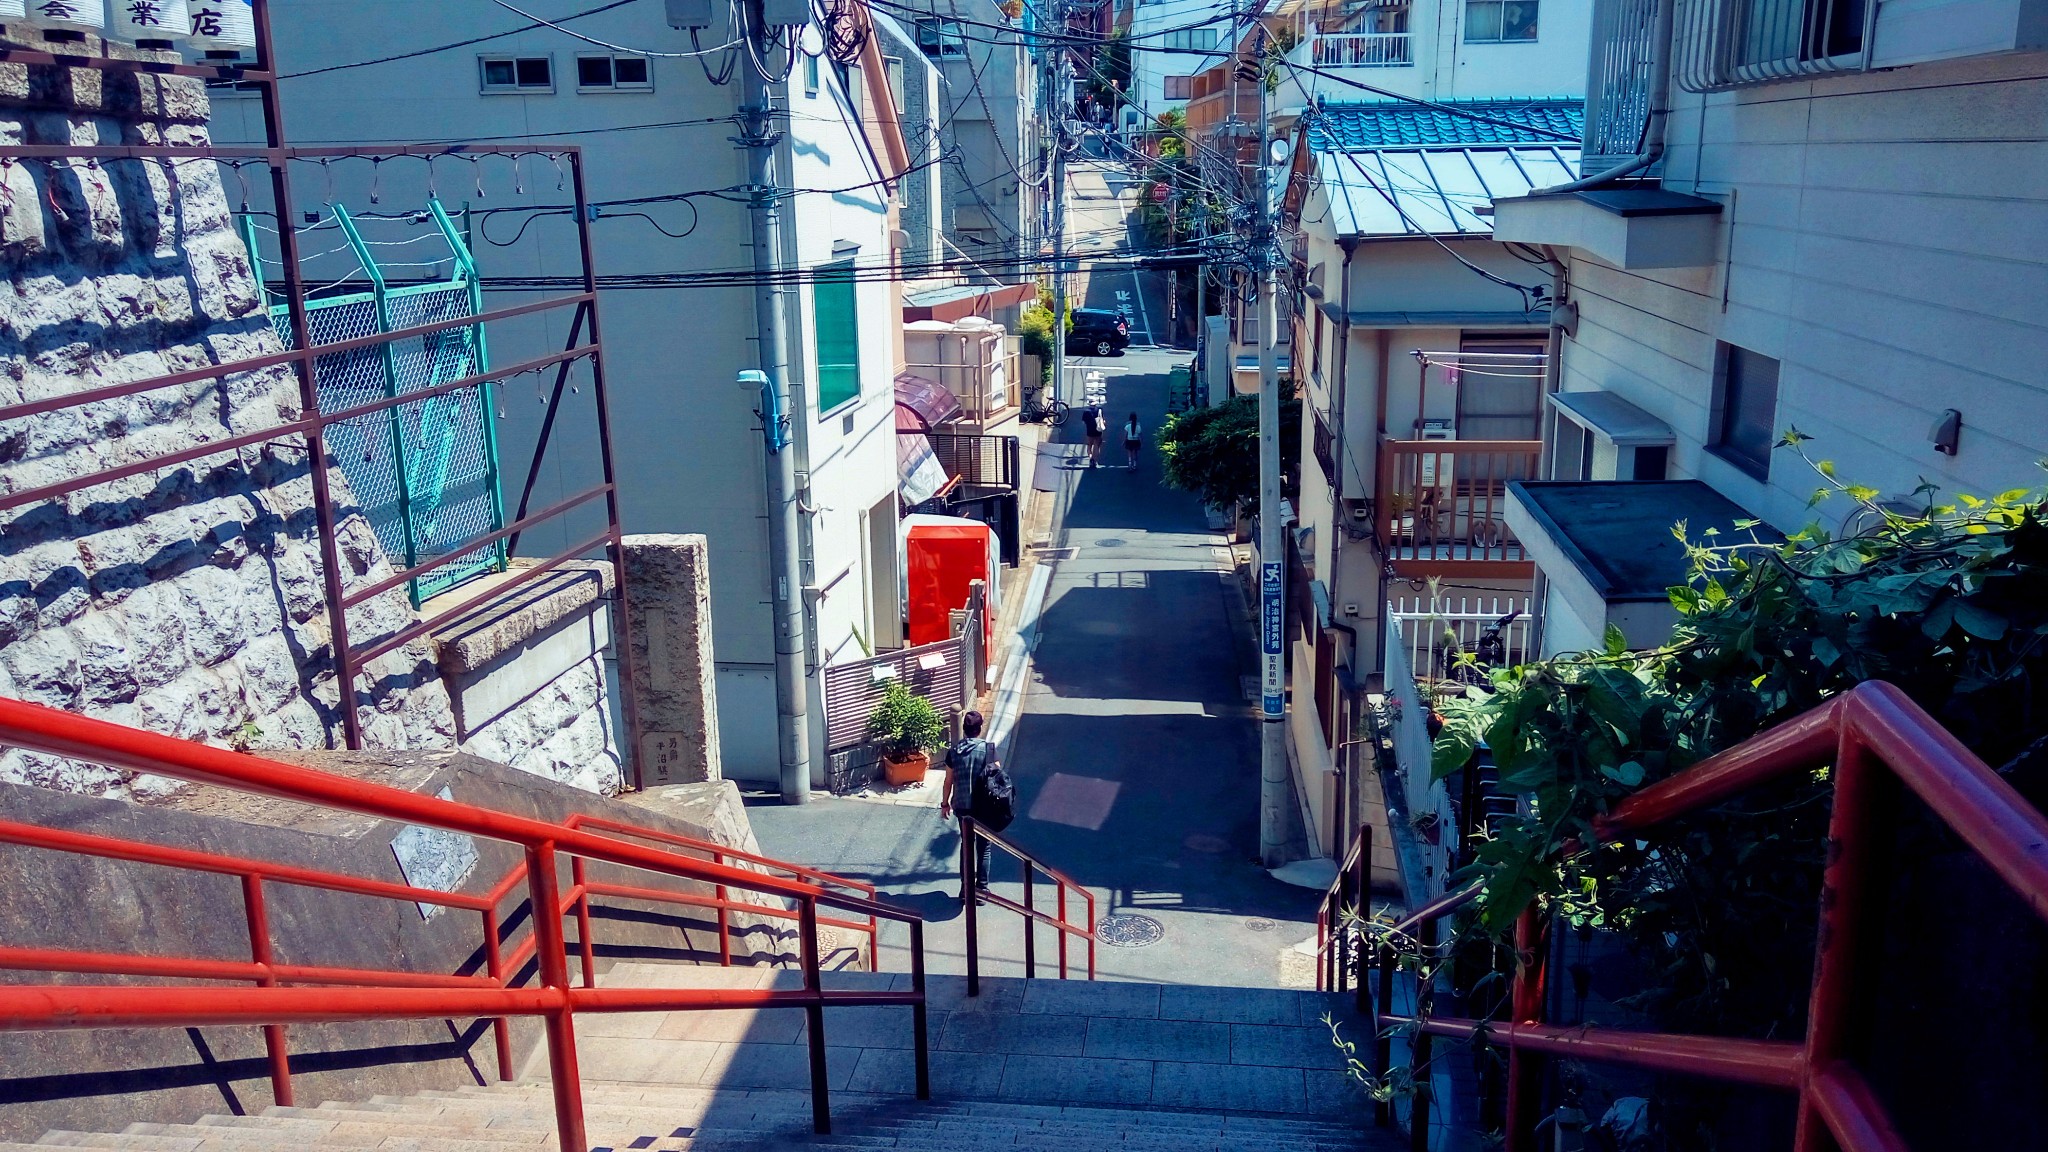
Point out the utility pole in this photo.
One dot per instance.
(1273, 790)
(785, 571)
(1056, 103)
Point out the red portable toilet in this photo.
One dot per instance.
(942, 555)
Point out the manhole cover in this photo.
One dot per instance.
(1128, 930)
(1109, 542)
(1259, 924)
(1206, 842)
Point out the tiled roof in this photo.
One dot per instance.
(1401, 124)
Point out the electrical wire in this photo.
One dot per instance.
(573, 34)
(450, 47)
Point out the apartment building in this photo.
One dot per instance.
(1838, 228)
(671, 235)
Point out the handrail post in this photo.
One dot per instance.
(494, 966)
(919, 1015)
(543, 888)
(1863, 791)
(967, 904)
(1322, 945)
(584, 946)
(1525, 1069)
(1090, 897)
(1382, 1041)
(1030, 927)
(1063, 933)
(258, 916)
(814, 1016)
(724, 917)
(1419, 1047)
(1355, 945)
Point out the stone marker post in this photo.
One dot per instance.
(674, 676)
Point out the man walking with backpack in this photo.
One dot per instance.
(979, 788)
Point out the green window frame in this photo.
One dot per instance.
(836, 321)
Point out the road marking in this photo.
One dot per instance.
(1140, 286)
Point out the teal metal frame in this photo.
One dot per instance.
(424, 459)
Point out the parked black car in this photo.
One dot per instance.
(1098, 332)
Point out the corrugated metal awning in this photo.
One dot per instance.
(1434, 191)
(926, 404)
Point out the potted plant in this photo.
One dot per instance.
(905, 728)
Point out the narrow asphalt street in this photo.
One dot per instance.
(1135, 757)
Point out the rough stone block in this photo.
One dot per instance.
(668, 590)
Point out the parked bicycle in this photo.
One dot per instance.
(1489, 653)
(1035, 412)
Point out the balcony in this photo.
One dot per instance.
(1358, 50)
(1443, 505)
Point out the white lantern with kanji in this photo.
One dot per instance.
(68, 15)
(143, 21)
(223, 26)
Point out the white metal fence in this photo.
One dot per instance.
(1434, 633)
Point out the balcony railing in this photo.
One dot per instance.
(1361, 50)
(1442, 505)
(1618, 87)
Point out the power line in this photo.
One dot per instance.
(451, 47)
(541, 23)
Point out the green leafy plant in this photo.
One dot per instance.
(904, 724)
(1945, 601)
(1214, 451)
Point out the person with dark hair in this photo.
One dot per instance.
(1094, 425)
(977, 787)
(1133, 440)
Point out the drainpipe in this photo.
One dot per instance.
(1653, 125)
(1350, 245)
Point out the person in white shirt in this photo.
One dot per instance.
(1133, 440)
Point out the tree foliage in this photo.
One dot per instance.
(1949, 603)
(1214, 452)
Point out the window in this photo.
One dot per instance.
(810, 75)
(613, 74)
(1759, 41)
(517, 73)
(941, 38)
(893, 65)
(1178, 87)
(1316, 353)
(1745, 409)
(1499, 21)
(838, 335)
(1500, 388)
(1201, 39)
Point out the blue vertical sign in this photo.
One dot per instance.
(1272, 634)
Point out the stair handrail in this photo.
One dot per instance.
(971, 831)
(1336, 949)
(374, 995)
(1876, 737)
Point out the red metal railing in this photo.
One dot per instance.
(1337, 951)
(367, 994)
(1877, 740)
(971, 834)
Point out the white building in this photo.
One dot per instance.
(655, 135)
(1164, 79)
(1434, 49)
(1419, 354)
(1842, 230)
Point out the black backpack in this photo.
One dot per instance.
(993, 801)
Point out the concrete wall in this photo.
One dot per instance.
(987, 111)
(187, 600)
(1886, 239)
(102, 1079)
(686, 438)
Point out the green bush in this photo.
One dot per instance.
(1214, 452)
(904, 724)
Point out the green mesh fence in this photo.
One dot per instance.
(424, 474)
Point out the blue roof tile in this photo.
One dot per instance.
(1400, 124)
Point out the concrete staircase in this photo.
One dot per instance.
(1038, 1064)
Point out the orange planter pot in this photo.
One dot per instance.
(907, 771)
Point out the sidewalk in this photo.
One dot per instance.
(1136, 756)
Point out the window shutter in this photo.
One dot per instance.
(838, 336)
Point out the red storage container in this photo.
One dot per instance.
(940, 561)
